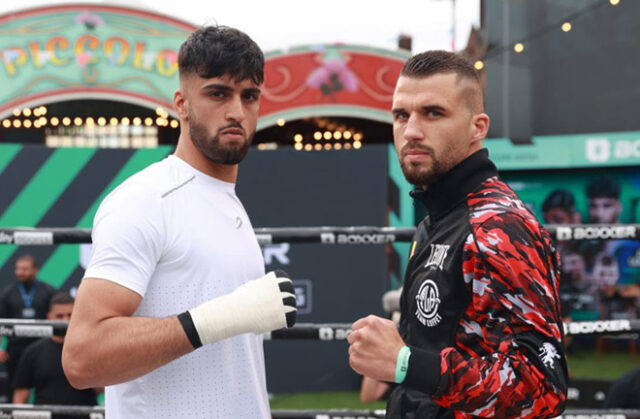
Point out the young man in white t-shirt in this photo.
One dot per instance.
(175, 264)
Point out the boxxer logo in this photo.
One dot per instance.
(598, 150)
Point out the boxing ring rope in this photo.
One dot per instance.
(324, 235)
(312, 331)
(27, 411)
(359, 235)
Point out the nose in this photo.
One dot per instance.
(235, 110)
(413, 130)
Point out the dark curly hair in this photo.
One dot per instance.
(213, 51)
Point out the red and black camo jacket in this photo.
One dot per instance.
(480, 306)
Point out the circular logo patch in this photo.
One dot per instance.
(428, 301)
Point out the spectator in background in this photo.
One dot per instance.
(604, 200)
(27, 298)
(606, 274)
(559, 207)
(623, 393)
(616, 259)
(40, 367)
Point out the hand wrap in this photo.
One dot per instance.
(259, 306)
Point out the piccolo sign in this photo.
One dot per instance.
(116, 52)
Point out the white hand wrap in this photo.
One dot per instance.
(259, 306)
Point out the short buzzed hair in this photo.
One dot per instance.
(60, 298)
(561, 199)
(429, 63)
(603, 187)
(29, 258)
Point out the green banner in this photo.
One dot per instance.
(567, 151)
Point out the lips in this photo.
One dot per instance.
(414, 154)
(232, 131)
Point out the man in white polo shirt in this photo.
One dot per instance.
(176, 266)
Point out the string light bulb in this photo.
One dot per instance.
(519, 47)
(566, 26)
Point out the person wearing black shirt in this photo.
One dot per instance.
(623, 393)
(27, 298)
(40, 367)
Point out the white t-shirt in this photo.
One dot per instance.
(179, 238)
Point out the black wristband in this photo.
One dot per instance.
(190, 329)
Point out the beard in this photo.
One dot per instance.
(419, 173)
(211, 147)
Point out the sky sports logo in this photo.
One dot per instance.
(602, 149)
(6, 238)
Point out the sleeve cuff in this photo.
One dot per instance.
(424, 370)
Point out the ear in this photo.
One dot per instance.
(479, 127)
(180, 102)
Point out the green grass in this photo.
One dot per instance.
(323, 401)
(611, 365)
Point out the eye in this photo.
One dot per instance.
(400, 116)
(250, 97)
(217, 94)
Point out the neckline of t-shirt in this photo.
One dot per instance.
(201, 175)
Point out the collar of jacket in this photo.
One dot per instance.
(454, 187)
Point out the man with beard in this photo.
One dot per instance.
(27, 298)
(175, 264)
(480, 331)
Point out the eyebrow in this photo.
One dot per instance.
(253, 90)
(430, 108)
(229, 89)
(427, 108)
(216, 86)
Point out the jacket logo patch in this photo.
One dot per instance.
(428, 300)
(438, 255)
(548, 355)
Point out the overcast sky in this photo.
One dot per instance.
(280, 24)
